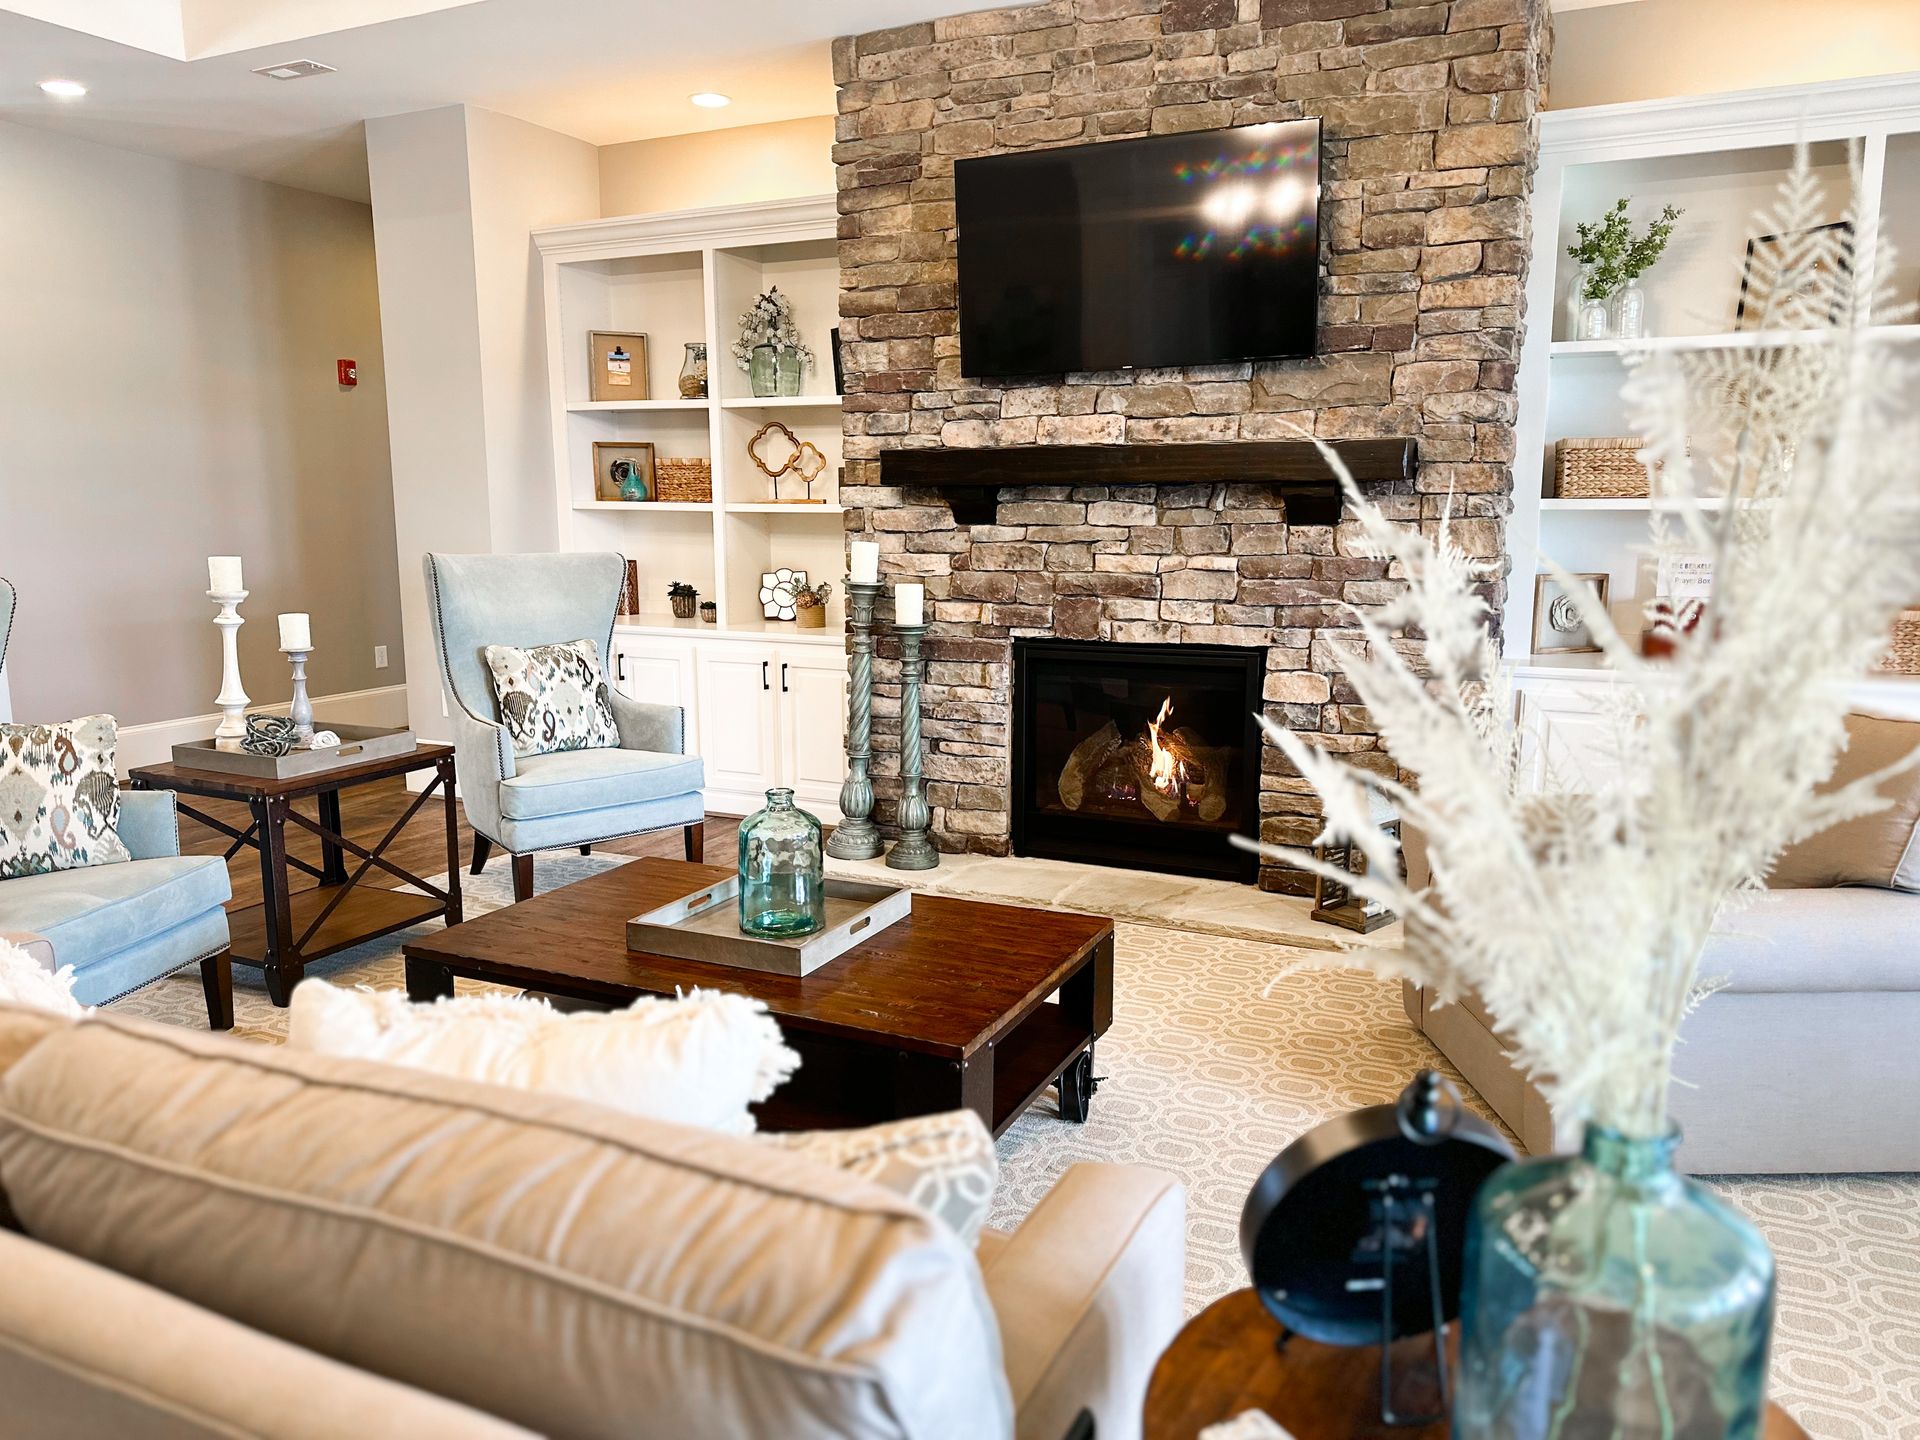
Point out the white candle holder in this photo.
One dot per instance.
(301, 711)
(232, 698)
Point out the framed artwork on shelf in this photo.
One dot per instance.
(623, 470)
(780, 593)
(1770, 275)
(1558, 626)
(616, 365)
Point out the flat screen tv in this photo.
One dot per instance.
(1173, 250)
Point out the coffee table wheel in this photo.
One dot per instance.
(1076, 1088)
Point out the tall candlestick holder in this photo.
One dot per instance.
(913, 850)
(232, 698)
(856, 837)
(301, 711)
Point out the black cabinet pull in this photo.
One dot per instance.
(783, 677)
(765, 683)
(619, 667)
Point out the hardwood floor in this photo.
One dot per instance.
(366, 813)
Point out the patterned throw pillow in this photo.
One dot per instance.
(59, 801)
(945, 1164)
(553, 697)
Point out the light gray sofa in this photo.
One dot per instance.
(233, 1238)
(577, 798)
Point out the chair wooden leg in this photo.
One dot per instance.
(216, 979)
(522, 878)
(482, 848)
(586, 849)
(696, 838)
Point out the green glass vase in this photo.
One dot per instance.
(792, 370)
(1609, 1298)
(763, 372)
(782, 871)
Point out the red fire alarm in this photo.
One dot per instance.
(349, 372)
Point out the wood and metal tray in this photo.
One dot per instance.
(706, 926)
(358, 744)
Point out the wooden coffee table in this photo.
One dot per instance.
(1228, 1360)
(944, 1010)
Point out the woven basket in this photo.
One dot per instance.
(1903, 656)
(684, 481)
(1599, 468)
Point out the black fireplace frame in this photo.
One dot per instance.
(1105, 840)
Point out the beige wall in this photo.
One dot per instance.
(1653, 49)
(167, 392)
(741, 166)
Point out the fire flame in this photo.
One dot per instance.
(1163, 771)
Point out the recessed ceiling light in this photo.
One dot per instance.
(64, 89)
(710, 100)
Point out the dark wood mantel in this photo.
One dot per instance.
(973, 478)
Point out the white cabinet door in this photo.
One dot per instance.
(1569, 734)
(738, 691)
(812, 682)
(658, 672)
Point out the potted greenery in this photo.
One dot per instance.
(709, 612)
(769, 348)
(682, 597)
(810, 606)
(1609, 302)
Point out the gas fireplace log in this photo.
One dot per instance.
(1083, 762)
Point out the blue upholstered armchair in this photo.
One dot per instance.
(575, 798)
(6, 629)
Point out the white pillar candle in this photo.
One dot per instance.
(866, 562)
(295, 632)
(223, 574)
(909, 604)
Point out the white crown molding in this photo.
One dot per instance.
(807, 217)
(1777, 116)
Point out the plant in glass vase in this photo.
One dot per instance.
(770, 349)
(1612, 259)
(1606, 1294)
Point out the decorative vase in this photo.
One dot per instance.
(782, 871)
(1596, 318)
(792, 368)
(693, 372)
(1630, 312)
(1606, 1295)
(683, 605)
(763, 370)
(709, 612)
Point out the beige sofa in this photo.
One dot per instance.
(235, 1239)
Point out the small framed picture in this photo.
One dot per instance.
(623, 470)
(1768, 279)
(616, 365)
(1558, 626)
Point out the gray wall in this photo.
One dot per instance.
(167, 345)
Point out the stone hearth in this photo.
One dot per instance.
(1427, 155)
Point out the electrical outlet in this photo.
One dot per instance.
(379, 657)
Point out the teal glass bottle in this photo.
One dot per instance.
(782, 871)
(1608, 1296)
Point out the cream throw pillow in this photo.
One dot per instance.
(699, 1060)
(945, 1164)
(1880, 849)
(553, 697)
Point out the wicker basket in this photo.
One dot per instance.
(684, 481)
(1903, 656)
(1600, 467)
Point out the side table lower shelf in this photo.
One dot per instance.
(365, 914)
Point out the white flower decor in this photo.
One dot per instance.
(769, 321)
(1577, 908)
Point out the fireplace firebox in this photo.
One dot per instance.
(1145, 756)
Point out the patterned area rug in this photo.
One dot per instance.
(1213, 1067)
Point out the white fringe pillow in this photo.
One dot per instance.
(25, 981)
(698, 1060)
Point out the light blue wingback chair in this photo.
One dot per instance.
(6, 629)
(525, 804)
(124, 926)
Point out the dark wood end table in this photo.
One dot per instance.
(291, 927)
(1228, 1359)
(944, 1010)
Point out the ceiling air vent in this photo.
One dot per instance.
(294, 70)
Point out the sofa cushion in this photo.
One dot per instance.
(58, 797)
(576, 780)
(93, 913)
(1847, 939)
(1878, 849)
(580, 1272)
(945, 1164)
(552, 697)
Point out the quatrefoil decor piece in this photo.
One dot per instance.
(774, 428)
(807, 463)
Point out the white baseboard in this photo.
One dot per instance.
(152, 743)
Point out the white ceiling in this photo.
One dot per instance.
(601, 70)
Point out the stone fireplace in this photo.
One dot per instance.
(1427, 154)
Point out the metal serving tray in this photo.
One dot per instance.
(706, 926)
(358, 744)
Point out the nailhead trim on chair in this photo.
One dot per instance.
(163, 975)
